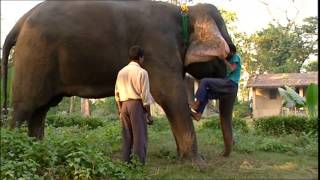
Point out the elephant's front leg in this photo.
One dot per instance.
(225, 108)
(172, 96)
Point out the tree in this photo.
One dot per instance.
(85, 107)
(284, 49)
(311, 66)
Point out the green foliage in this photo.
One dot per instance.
(105, 107)
(241, 109)
(237, 123)
(283, 49)
(67, 121)
(15, 149)
(291, 98)
(68, 153)
(160, 124)
(229, 18)
(273, 145)
(278, 125)
(311, 67)
(312, 100)
(79, 153)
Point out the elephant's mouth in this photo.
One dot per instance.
(201, 58)
(203, 52)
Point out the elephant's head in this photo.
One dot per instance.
(207, 43)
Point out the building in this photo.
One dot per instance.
(266, 100)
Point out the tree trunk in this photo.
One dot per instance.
(71, 108)
(85, 107)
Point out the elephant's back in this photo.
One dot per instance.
(73, 15)
(74, 37)
(101, 22)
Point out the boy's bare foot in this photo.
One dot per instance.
(196, 115)
(195, 105)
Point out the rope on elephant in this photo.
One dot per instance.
(185, 23)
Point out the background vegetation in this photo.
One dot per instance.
(89, 148)
(77, 147)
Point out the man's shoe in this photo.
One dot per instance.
(196, 115)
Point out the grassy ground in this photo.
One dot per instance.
(80, 152)
(162, 163)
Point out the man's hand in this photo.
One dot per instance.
(149, 119)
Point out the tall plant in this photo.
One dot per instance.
(312, 100)
(292, 99)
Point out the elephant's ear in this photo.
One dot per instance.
(206, 42)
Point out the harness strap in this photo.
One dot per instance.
(185, 23)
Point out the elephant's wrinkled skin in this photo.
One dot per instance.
(76, 48)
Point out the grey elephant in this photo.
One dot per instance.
(76, 48)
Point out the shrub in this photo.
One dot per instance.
(65, 156)
(277, 125)
(67, 121)
(273, 145)
(241, 109)
(160, 124)
(105, 107)
(312, 125)
(237, 123)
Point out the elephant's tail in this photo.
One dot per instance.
(9, 42)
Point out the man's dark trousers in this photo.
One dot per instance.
(134, 130)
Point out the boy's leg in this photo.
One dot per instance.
(210, 88)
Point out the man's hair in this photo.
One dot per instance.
(135, 52)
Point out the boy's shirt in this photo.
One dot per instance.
(235, 75)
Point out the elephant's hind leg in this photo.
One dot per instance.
(37, 122)
(21, 113)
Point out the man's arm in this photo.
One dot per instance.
(149, 117)
(146, 97)
(119, 104)
(117, 98)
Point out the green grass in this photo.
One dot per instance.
(71, 151)
(242, 164)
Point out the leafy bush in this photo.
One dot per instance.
(237, 123)
(277, 125)
(312, 100)
(67, 121)
(160, 124)
(104, 107)
(312, 125)
(274, 145)
(241, 110)
(64, 156)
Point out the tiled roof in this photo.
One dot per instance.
(281, 79)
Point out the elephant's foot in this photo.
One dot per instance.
(226, 153)
(36, 130)
(199, 162)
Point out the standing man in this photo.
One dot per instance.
(132, 94)
(214, 88)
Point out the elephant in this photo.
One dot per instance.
(76, 48)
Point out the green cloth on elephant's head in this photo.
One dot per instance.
(235, 75)
(185, 28)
